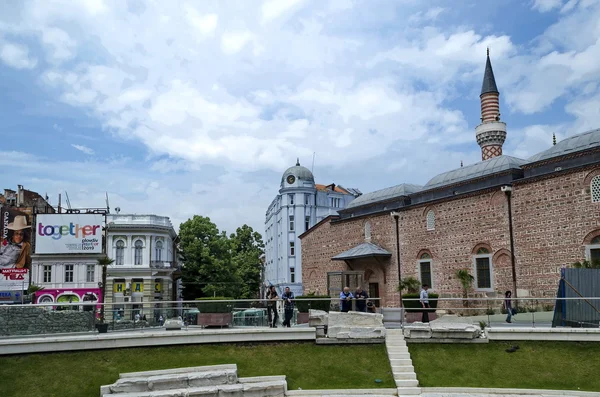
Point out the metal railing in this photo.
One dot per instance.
(84, 317)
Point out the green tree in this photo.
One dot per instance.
(208, 268)
(247, 247)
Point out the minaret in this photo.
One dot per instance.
(491, 133)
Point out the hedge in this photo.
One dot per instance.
(214, 307)
(304, 301)
(415, 306)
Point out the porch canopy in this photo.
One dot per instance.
(365, 251)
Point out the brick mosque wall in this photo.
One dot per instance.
(552, 219)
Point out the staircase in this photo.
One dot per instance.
(209, 381)
(402, 368)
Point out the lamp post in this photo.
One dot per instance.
(396, 216)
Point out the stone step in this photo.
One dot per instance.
(183, 370)
(409, 391)
(397, 349)
(395, 344)
(407, 382)
(399, 356)
(402, 368)
(387, 392)
(396, 331)
(401, 361)
(404, 376)
(174, 381)
(252, 389)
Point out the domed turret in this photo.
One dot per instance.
(293, 176)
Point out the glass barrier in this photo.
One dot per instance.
(82, 317)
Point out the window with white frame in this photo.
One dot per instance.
(120, 254)
(368, 231)
(291, 199)
(292, 248)
(138, 252)
(306, 223)
(335, 202)
(292, 275)
(425, 269)
(47, 273)
(291, 223)
(595, 189)
(483, 270)
(159, 249)
(69, 269)
(430, 220)
(90, 273)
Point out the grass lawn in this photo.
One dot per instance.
(306, 365)
(536, 365)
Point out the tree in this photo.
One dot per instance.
(208, 269)
(586, 264)
(466, 280)
(410, 284)
(247, 247)
(104, 262)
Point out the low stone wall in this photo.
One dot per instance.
(35, 321)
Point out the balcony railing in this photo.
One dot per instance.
(161, 264)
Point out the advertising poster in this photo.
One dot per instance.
(15, 250)
(69, 234)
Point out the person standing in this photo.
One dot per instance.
(288, 306)
(346, 300)
(424, 299)
(508, 306)
(272, 306)
(361, 300)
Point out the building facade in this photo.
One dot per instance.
(511, 223)
(300, 204)
(146, 265)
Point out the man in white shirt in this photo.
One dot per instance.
(424, 298)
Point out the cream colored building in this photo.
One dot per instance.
(145, 268)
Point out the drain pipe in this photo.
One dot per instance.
(508, 190)
(396, 216)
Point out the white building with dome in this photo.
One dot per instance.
(300, 204)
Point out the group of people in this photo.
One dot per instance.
(360, 297)
(288, 306)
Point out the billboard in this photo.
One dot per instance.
(15, 250)
(68, 234)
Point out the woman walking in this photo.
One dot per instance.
(508, 306)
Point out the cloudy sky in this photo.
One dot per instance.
(197, 107)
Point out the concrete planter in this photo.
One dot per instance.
(302, 318)
(215, 319)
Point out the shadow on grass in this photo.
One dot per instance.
(306, 365)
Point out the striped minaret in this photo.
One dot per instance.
(491, 133)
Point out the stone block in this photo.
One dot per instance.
(317, 318)
(355, 319)
(417, 331)
(210, 378)
(454, 331)
(356, 332)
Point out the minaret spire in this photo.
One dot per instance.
(297, 161)
(491, 133)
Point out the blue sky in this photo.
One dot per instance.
(197, 107)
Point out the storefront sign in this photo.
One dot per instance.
(69, 233)
(119, 287)
(157, 286)
(137, 286)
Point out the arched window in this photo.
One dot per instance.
(595, 189)
(368, 231)
(430, 220)
(138, 252)
(425, 269)
(159, 248)
(593, 250)
(482, 261)
(120, 253)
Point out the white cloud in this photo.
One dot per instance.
(233, 42)
(546, 5)
(16, 56)
(61, 46)
(204, 24)
(83, 149)
(272, 9)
